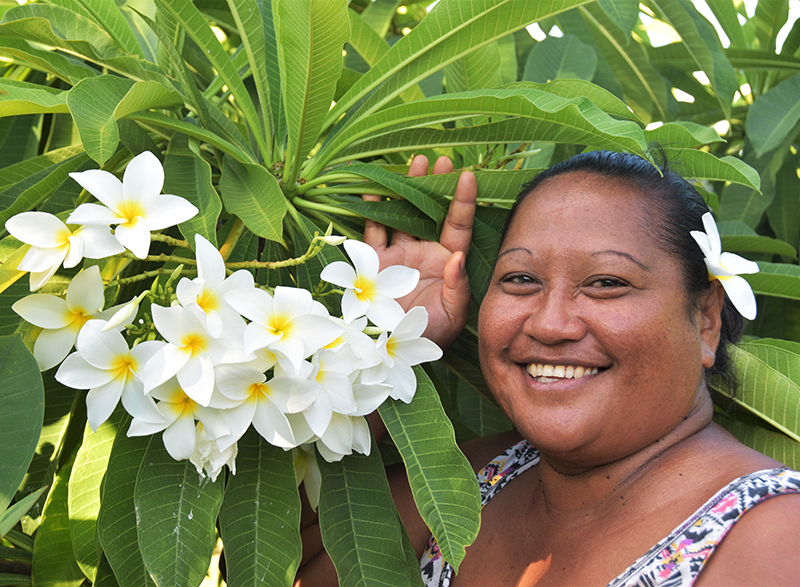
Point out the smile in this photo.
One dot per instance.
(549, 373)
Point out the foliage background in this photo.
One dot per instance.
(241, 115)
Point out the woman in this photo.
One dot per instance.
(597, 333)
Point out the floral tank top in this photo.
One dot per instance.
(677, 560)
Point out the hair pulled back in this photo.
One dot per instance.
(675, 208)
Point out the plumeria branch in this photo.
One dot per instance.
(148, 275)
(317, 244)
(162, 258)
(173, 242)
(233, 237)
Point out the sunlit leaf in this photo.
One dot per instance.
(776, 279)
(108, 15)
(774, 115)
(18, 97)
(560, 57)
(189, 176)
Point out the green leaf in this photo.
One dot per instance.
(624, 13)
(18, 97)
(774, 115)
(695, 164)
(10, 517)
(770, 18)
(398, 214)
(84, 492)
(758, 244)
(682, 134)
(450, 30)
(108, 16)
(781, 355)
(189, 176)
(105, 574)
(310, 40)
(776, 279)
(97, 103)
(576, 88)
(643, 87)
(366, 40)
(54, 563)
(360, 527)
(486, 229)
(116, 521)
(200, 31)
(773, 444)
(62, 66)
(176, 512)
(762, 60)
(782, 213)
(22, 397)
(766, 392)
(560, 57)
(702, 43)
(442, 480)
(253, 194)
(727, 17)
(260, 516)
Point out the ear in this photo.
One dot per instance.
(711, 322)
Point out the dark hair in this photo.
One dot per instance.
(677, 209)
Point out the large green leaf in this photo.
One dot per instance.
(766, 392)
(782, 214)
(84, 492)
(699, 38)
(727, 17)
(397, 214)
(774, 115)
(253, 194)
(260, 516)
(18, 97)
(189, 176)
(97, 103)
(109, 17)
(54, 563)
(22, 397)
(442, 480)
(682, 134)
(776, 279)
(762, 60)
(450, 30)
(698, 165)
(200, 30)
(66, 68)
(116, 521)
(770, 18)
(176, 514)
(11, 517)
(758, 244)
(360, 527)
(310, 40)
(560, 57)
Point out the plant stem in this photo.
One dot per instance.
(173, 242)
(233, 237)
(325, 179)
(147, 275)
(162, 258)
(301, 203)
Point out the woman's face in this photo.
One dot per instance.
(585, 335)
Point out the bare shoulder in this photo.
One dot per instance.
(763, 548)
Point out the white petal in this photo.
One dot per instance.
(412, 325)
(74, 252)
(99, 243)
(385, 312)
(414, 352)
(75, 372)
(741, 295)
(101, 401)
(166, 211)
(197, 379)
(291, 349)
(85, 291)
(142, 428)
(737, 265)
(396, 281)
(369, 397)
(701, 238)
(403, 382)
(179, 438)
(142, 353)
(38, 260)
(234, 381)
(362, 436)
(134, 236)
(143, 178)
(292, 394)
(300, 429)
(339, 435)
(164, 364)
(142, 407)
(340, 391)
(213, 421)
(328, 454)
(339, 273)
(272, 425)
(188, 290)
(713, 234)
(40, 278)
(291, 301)
(257, 337)
(210, 266)
(353, 307)
(102, 185)
(52, 346)
(319, 415)
(316, 331)
(253, 304)
(39, 229)
(44, 311)
(238, 420)
(101, 349)
(364, 258)
(94, 214)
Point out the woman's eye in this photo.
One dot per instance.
(518, 280)
(607, 283)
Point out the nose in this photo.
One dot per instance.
(554, 318)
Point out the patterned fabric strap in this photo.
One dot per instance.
(436, 572)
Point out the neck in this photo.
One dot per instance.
(569, 489)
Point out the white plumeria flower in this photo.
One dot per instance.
(290, 324)
(726, 267)
(361, 344)
(367, 291)
(107, 368)
(344, 435)
(330, 376)
(207, 458)
(247, 397)
(62, 319)
(135, 204)
(307, 471)
(401, 351)
(53, 243)
(179, 413)
(207, 291)
(190, 353)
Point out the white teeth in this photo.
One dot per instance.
(551, 373)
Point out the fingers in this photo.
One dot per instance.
(455, 297)
(418, 168)
(443, 165)
(457, 229)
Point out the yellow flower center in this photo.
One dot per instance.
(364, 288)
(130, 210)
(208, 301)
(122, 366)
(194, 343)
(278, 324)
(256, 390)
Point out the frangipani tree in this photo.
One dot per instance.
(271, 119)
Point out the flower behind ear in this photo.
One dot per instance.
(726, 267)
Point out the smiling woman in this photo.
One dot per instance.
(598, 332)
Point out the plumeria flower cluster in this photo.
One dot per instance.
(135, 206)
(217, 354)
(727, 268)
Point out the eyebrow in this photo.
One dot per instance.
(523, 249)
(621, 254)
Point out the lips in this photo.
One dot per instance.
(547, 373)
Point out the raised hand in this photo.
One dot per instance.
(443, 287)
